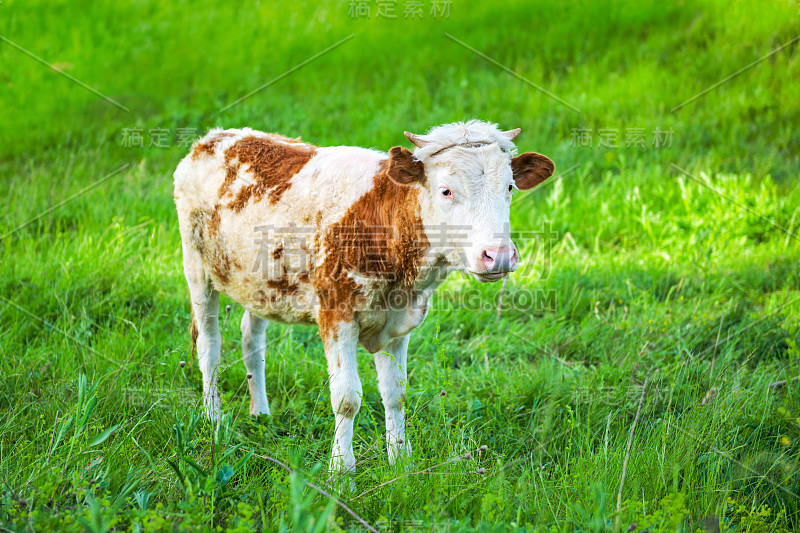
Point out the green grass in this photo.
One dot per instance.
(691, 282)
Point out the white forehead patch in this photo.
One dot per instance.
(471, 134)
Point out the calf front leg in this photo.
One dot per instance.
(392, 375)
(254, 344)
(346, 392)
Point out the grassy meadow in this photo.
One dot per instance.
(636, 353)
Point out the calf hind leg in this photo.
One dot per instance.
(254, 344)
(205, 311)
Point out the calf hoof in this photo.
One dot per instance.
(399, 451)
(405, 462)
(343, 481)
(337, 467)
(213, 407)
(259, 408)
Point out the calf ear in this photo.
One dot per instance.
(530, 169)
(403, 167)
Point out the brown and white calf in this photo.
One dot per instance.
(351, 239)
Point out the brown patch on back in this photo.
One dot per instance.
(272, 163)
(380, 236)
(209, 146)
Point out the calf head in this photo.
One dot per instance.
(469, 172)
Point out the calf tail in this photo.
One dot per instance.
(193, 335)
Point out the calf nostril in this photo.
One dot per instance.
(488, 258)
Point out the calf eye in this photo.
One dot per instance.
(510, 187)
(447, 193)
